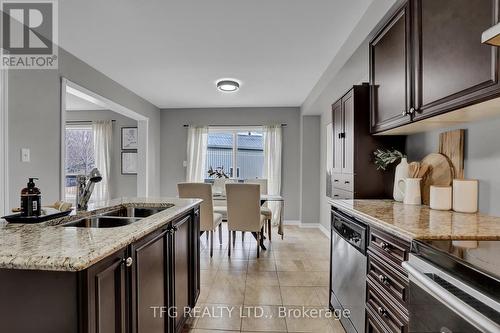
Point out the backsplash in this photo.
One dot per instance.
(482, 157)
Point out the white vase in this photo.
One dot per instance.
(402, 172)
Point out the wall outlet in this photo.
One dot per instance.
(25, 154)
(184, 163)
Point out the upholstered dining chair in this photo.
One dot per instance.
(244, 211)
(266, 211)
(209, 221)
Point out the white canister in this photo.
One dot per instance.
(411, 190)
(465, 194)
(401, 172)
(440, 197)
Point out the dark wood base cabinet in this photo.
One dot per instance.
(131, 290)
(387, 284)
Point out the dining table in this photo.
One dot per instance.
(219, 196)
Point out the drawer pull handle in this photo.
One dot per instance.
(383, 279)
(336, 180)
(382, 312)
(385, 246)
(128, 261)
(347, 182)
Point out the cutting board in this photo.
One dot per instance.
(451, 144)
(440, 173)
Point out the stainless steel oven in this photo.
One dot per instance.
(448, 294)
(348, 270)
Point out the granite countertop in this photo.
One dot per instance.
(420, 222)
(50, 246)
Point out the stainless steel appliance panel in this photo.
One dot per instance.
(348, 275)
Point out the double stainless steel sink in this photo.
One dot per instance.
(115, 218)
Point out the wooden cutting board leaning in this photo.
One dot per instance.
(451, 144)
(440, 172)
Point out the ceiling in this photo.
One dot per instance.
(172, 52)
(75, 103)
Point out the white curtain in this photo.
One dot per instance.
(103, 138)
(272, 166)
(196, 154)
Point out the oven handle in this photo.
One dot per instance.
(454, 303)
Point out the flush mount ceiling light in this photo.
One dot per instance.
(228, 85)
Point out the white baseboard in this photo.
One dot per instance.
(299, 224)
(324, 230)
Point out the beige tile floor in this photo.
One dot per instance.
(246, 294)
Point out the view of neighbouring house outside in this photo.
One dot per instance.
(240, 154)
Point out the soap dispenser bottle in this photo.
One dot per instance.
(31, 199)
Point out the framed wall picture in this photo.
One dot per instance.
(129, 163)
(129, 138)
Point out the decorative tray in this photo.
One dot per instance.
(18, 218)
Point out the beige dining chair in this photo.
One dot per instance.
(266, 211)
(209, 221)
(244, 211)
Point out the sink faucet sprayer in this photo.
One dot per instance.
(86, 187)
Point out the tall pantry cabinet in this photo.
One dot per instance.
(354, 174)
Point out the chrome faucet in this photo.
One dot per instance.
(85, 188)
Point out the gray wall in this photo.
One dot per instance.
(174, 141)
(482, 158)
(310, 156)
(354, 71)
(120, 185)
(34, 122)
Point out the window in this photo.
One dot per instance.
(239, 152)
(79, 157)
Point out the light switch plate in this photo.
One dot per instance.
(184, 163)
(25, 154)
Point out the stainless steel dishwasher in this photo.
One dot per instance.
(348, 270)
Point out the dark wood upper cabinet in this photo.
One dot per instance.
(354, 175)
(390, 79)
(428, 59)
(452, 67)
(338, 143)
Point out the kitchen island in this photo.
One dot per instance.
(57, 278)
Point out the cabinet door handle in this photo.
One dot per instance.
(385, 246)
(383, 279)
(128, 262)
(336, 180)
(382, 312)
(347, 182)
(342, 135)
